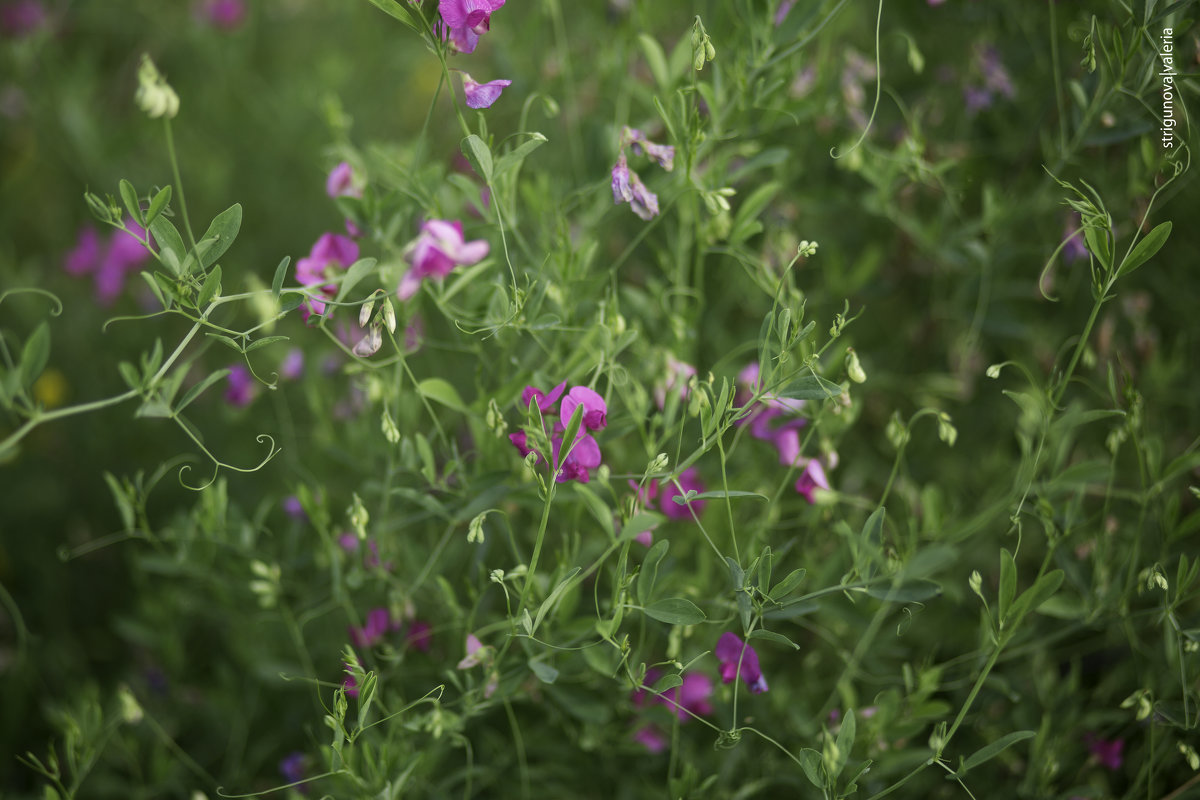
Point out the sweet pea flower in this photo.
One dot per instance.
(651, 738)
(467, 20)
(784, 8)
(545, 401)
(226, 15)
(292, 366)
(581, 458)
(662, 154)
(242, 387)
(340, 182)
(293, 508)
(22, 18)
(419, 636)
(738, 659)
(595, 410)
(690, 696)
(811, 479)
(436, 252)
(330, 254)
(292, 767)
(108, 262)
(628, 188)
(475, 652)
(379, 622)
(689, 480)
(482, 95)
(1107, 752)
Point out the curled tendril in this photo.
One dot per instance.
(218, 465)
(878, 83)
(54, 312)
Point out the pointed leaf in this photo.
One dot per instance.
(811, 387)
(1144, 250)
(772, 636)
(641, 521)
(676, 611)
(199, 388)
(224, 228)
(280, 274)
(994, 749)
(545, 673)
(357, 271)
(35, 354)
(1008, 582)
(171, 250)
(442, 392)
(158, 204)
(396, 11)
(477, 152)
(264, 341)
(210, 288)
(649, 572)
(130, 198)
(549, 602)
(787, 585)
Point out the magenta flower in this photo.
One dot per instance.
(545, 401)
(350, 683)
(227, 15)
(628, 188)
(419, 636)
(581, 458)
(689, 479)
(467, 20)
(340, 183)
(379, 622)
(292, 366)
(738, 659)
(242, 387)
(331, 254)
(690, 696)
(811, 479)
(482, 95)
(1107, 752)
(651, 738)
(436, 252)
(110, 262)
(21, 18)
(595, 411)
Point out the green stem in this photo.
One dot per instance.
(187, 225)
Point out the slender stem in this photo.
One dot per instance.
(537, 547)
(187, 225)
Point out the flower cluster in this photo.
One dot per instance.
(766, 423)
(627, 187)
(583, 454)
(108, 262)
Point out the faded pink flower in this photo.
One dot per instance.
(482, 95)
(242, 386)
(811, 479)
(340, 182)
(436, 252)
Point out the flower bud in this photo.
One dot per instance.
(154, 95)
(364, 312)
(854, 368)
(389, 315)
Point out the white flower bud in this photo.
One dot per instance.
(154, 95)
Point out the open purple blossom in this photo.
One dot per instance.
(330, 254)
(292, 366)
(341, 183)
(379, 622)
(108, 262)
(545, 401)
(739, 659)
(436, 252)
(628, 188)
(467, 20)
(811, 479)
(583, 457)
(689, 480)
(482, 95)
(292, 767)
(242, 387)
(595, 410)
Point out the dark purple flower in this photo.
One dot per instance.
(21, 18)
(467, 20)
(379, 621)
(482, 95)
(436, 252)
(738, 659)
(292, 767)
(1106, 751)
(689, 480)
(242, 387)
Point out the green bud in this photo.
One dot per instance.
(154, 95)
(131, 710)
(390, 431)
(854, 368)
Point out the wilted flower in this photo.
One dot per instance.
(739, 659)
(662, 154)
(628, 188)
(436, 252)
(467, 20)
(482, 95)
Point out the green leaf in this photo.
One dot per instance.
(199, 388)
(737, 575)
(656, 59)
(649, 572)
(1097, 242)
(280, 274)
(478, 154)
(750, 209)
(719, 495)
(158, 204)
(210, 288)
(35, 354)
(1037, 594)
(130, 375)
(358, 270)
(264, 341)
(228, 341)
(810, 764)
(872, 531)
(442, 392)
(766, 563)
(1144, 250)
(1008, 582)
(667, 682)
(569, 434)
(545, 673)
(811, 387)
(787, 585)
(155, 289)
(845, 743)
(994, 749)
(130, 198)
(155, 409)
(396, 11)
(171, 250)
(511, 161)
(772, 636)
(641, 521)
(224, 228)
(676, 611)
(549, 602)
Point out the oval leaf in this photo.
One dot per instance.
(994, 749)
(1146, 248)
(442, 392)
(675, 611)
(224, 228)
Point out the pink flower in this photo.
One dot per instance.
(227, 15)
(628, 188)
(482, 95)
(467, 20)
(1107, 752)
(595, 410)
(475, 652)
(379, 621)
(21, 18)
(692, 695)
(86, 255)
(340, 182)
(436, 252)
(812, 478)
(330, 254)
(293, 364)
(419, 636)
(581, 458)
(545, 401)
(110, 262)
(651, 738)
(242, 387)
(739, 659)
(689, 480)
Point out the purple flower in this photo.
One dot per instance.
(292, 366)
(584, 456)
(475, 652)
(784, 8)
(330, 254)
(812, 478)
(292, 767)
(976, 99)
(1076, 246)
(690, 696)
(595, 410)
(995, 76)
(482, 95)
(348, 542)
(651, 738)
(689, 480)
(379, 622)
(242, 388)
(293, 508)
(467, 20)
(1106, 751)
(662, 154)
(108, 263)
(21, 18)
(545, 401)
(340, 182)
(738, 659)
(419, 636)
(436, 252)
(227, 15)
(86, 255)
(628, 188)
